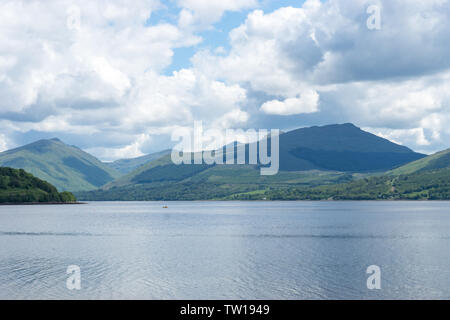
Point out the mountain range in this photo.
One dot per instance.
(309, 157)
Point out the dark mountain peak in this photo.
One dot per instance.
(341, 147)
(349, 126)
(344, 126)
(345, 136)
(340, 125)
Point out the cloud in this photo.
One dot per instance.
(3, 143)
(235, 117)
(403, 136)
(329, 42)
(132, 150)
(307, 103)
(96, 67)
(200, 14)
(94, 72)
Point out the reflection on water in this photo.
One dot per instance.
(226, 250)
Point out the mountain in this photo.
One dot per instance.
(424, 179)
(66, 167)
(125, 166)
(18, 186)
(344, 148)
(308, 157)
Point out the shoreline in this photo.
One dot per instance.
(39, 203)
(218, 200)
(211, 200)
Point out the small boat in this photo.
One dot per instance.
(165, 207)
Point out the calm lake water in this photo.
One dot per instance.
(226, 250)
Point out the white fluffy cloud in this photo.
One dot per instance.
(181, 98)
(203, 13)
(95, 70)
(409, 136)
(3, 143)
(307, 103)
(90, 67)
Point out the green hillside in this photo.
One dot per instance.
(65, 167)
(18, 186)
(436, 161)
(125, 166)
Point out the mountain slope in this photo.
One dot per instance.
(436, 161)
(18, 186)
(125, 166)
(65, 167)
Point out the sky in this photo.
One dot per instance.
(117, 77)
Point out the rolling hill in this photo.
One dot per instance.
(18, 186)
(66, 167)
(308, 157)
